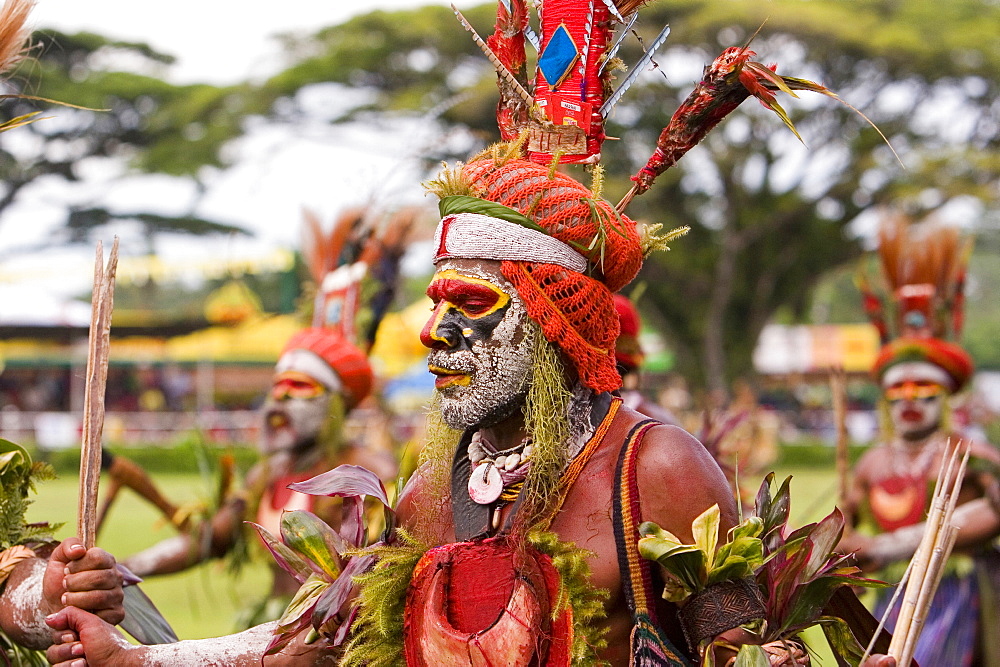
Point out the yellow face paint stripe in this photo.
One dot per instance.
(452, 274)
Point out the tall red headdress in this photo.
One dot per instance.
(354, 267)
(921, 316)
(587, 248)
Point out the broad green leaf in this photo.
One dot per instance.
(751, 655)
(749, 527)
(674, 589)
(303, 602)
(734, 568)
(842, 641)
(287, 559)
(309, 535)
(749, 549)
(466, 204)
(653, 548)
(650, 529)
(706, 533)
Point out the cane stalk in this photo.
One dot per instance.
(928, 562)
(102, 305)
(838, 391)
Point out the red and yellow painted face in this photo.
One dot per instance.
(915, 405)
(293, 384)
(480, 340)
(294, 412)
(913, 390)
(466, 310)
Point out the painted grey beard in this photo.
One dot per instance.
(462, 413)
(498, 385)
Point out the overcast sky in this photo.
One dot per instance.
(217, 41)
(279, 171)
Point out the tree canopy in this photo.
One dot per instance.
(769, 216)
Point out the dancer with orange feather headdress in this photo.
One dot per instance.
(516, 541)
(920, 366)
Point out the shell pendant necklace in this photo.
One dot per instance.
(494, 471)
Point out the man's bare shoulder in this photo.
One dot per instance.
(871, 460)
(678, 480)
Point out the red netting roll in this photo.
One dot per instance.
(348, 362)
(628, 352)
(575, 311)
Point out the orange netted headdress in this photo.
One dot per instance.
(565, 256)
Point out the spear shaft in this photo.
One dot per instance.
(102, 305)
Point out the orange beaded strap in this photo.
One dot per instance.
(650, 645)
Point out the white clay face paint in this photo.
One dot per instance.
(499, 366)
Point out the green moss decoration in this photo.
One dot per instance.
(575, 590)
(377, 633)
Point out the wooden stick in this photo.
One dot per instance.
(838, 391)
(888, 610)
(929, 560)
(102, 305)
(948, 533)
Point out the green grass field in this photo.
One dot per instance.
(203, 601)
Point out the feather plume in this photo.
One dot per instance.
(626, 7)
(924, 268)
(15, 34)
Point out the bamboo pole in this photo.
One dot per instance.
(928, 563)
(102, 305)
(838, 391)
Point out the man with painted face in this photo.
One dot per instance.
(522, 521)
(318, 379)
(918, 371)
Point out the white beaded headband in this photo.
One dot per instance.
(310, 363)
(478, 236)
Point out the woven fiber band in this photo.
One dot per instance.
(477, 236)
(720, 607)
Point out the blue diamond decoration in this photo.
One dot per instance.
(556, 61)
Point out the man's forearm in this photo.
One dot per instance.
(976, 520)
(22, 609)
(244, 649)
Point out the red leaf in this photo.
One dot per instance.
(344, 481)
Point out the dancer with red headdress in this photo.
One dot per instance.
(322, 374)
(919, 367)
(516, 541)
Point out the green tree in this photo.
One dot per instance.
(138, 123)
(768, 216)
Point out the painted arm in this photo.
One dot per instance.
(977, 522)
(183, 551)
(71, 575)
(89, 641)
